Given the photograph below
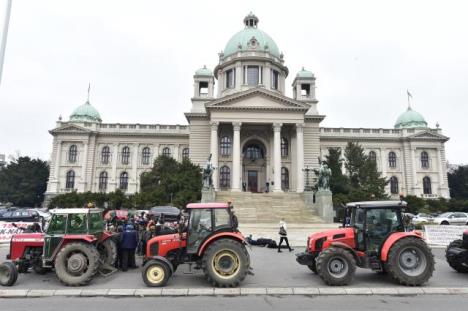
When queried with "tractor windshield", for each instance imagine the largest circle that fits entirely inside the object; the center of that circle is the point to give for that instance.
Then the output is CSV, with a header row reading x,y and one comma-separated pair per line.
x,y
96,223
200,227
57,224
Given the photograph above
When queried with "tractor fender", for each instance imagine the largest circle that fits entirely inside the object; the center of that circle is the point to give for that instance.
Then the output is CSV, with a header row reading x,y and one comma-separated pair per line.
x,y
356,254
230,235
104,236
163,259
394,237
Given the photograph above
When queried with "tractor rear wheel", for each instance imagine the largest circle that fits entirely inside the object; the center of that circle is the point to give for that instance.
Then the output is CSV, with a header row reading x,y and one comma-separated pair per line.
x,y
226,263
455,263
156,273
8,274
336,266
107,252
410,262
77,263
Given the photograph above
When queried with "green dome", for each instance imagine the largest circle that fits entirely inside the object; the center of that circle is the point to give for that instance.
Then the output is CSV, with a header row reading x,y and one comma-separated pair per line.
x,y
263,42
85,113
410,119
305,74
204,72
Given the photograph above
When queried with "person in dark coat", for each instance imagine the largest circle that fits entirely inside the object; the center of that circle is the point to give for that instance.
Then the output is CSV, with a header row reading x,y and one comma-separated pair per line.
x,y
117,237
129,243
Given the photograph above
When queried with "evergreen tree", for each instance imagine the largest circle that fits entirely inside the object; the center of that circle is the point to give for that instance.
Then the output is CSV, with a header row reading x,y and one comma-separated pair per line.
x,y
339,183
458,183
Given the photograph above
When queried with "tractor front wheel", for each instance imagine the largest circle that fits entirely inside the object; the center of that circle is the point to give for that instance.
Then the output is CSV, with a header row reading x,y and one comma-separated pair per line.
x,y
455,263
226,263
410,262
156,273
77,263
336,266
8,274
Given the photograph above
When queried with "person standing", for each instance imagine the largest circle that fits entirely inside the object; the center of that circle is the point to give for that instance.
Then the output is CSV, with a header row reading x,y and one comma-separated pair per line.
x,y
283,233
129,243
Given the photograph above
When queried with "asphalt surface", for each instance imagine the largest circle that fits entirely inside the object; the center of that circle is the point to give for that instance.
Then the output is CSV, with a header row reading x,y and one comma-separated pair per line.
x,y
257,303
271,269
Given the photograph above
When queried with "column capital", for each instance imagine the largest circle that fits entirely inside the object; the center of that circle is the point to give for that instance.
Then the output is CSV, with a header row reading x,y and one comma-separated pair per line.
x,y
236,126
300,127
214,125
277,127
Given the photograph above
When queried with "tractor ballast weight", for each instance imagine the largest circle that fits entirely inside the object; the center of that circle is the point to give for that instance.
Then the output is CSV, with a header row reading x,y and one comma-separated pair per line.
x,y
209,240
74,244
373,236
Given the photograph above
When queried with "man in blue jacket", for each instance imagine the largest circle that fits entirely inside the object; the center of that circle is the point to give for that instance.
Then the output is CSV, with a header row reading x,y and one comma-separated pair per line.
x,y
128,244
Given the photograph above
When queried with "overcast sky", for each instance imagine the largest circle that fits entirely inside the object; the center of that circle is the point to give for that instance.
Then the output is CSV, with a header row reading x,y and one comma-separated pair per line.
x,y
140,57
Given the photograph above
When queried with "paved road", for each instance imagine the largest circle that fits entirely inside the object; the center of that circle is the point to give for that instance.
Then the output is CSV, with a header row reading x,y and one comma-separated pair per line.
x,y
271,270
256,303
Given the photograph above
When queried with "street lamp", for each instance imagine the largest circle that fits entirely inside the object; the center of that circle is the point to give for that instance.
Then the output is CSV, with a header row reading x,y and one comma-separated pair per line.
x,y
307,185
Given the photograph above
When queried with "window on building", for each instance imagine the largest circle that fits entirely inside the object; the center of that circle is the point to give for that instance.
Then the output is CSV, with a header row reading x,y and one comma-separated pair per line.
x,y
166,152
424,159
125,155
394,185
274,79
103,181
284,178
253,152
203,89
72,153
284,147
105,155
305,90
392,159
225,146
70,180
372,156
225,177
123,182
253,75
185,153
145,156
427,187
230,79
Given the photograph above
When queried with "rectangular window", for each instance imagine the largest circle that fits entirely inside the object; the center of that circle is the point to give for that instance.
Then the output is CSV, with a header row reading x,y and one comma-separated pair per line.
x,y
203,89
230,79
274,79
253,76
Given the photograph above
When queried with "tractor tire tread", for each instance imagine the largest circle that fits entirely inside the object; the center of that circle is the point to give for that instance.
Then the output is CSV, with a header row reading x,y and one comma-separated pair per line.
x,y
454,263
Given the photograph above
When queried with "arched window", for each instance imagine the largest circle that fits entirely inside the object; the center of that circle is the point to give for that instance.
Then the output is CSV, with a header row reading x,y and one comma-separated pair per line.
x,y
427,187
394,185
185,153
105,155
103,181
225,146
284,147
392,159
424,159
145,156
125,155
166,152
224,177
123,184
70,180
253,152
284,178
72,153
372,156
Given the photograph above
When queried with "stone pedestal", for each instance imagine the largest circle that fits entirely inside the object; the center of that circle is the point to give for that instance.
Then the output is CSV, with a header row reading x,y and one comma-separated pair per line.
x,y
324,203
309,201
208,195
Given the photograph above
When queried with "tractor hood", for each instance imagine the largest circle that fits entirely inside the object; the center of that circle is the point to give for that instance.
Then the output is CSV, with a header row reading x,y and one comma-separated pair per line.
x,y
318,241
33,239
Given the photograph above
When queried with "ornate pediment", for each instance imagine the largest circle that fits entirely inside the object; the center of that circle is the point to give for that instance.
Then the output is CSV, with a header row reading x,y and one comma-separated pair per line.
x,y
429,135
70,129
257,99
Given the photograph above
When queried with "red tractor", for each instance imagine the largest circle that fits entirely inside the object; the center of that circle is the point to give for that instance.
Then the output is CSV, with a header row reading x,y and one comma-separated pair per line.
x,y
74,244
373,236
209,239
457,254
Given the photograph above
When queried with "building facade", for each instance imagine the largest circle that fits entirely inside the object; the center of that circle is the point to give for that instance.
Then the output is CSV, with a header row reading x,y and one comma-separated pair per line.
x,y
259,138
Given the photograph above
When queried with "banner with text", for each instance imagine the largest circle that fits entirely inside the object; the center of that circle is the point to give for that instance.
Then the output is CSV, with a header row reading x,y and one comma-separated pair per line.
x,y
7,230
443,235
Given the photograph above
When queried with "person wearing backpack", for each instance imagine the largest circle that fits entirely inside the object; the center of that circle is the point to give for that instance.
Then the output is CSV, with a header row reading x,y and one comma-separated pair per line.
x,y
283,235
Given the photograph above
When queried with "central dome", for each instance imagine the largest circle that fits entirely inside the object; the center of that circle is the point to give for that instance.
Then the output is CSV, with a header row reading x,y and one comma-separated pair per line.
x,y
410,119
85,113
251,39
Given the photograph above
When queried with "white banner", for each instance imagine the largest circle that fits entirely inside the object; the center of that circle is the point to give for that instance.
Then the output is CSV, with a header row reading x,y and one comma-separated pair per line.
x,y
7,230
443,235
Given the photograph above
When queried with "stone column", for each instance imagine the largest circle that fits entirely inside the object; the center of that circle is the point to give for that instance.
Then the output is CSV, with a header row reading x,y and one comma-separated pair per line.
x,y
440,165
135,166
176,152
114,177
413,167
236,165
58,159
214,153
383,161
277,156
300,156
83,166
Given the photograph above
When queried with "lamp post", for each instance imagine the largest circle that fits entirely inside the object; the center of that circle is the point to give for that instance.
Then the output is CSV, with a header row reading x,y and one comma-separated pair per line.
x,y
307,185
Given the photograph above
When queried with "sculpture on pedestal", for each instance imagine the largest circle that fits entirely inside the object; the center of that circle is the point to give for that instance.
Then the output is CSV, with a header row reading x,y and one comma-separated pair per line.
x,y
208,174
324,176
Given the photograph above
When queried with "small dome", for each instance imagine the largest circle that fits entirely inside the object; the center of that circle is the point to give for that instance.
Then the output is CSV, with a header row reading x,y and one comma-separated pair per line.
x,y
410,119
305,74
251,39
85,113
204,72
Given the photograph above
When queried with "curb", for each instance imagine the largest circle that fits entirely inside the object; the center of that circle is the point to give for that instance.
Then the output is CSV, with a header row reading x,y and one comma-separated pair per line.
x,y
235,292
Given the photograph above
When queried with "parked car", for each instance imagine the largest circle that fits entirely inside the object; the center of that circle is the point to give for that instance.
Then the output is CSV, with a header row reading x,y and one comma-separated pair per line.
x,y
422,218
26,215
451,218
